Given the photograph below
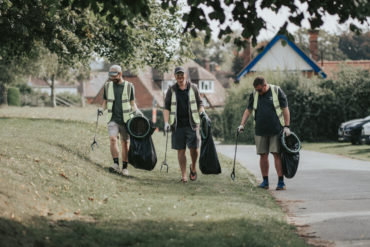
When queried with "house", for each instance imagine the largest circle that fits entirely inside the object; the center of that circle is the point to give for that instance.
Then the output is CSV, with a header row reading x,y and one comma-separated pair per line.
x,y
42,86
331,68
151,86
281,54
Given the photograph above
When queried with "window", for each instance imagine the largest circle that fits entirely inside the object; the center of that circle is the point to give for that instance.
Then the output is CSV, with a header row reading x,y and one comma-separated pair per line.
x,y
166,84
206,86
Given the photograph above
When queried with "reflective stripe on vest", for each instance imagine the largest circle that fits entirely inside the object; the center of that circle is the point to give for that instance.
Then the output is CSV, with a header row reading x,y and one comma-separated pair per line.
x,y
193,107
275,99
126,107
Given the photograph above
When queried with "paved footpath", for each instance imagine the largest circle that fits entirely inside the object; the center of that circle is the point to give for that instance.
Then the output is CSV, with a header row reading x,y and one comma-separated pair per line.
x,y
328,199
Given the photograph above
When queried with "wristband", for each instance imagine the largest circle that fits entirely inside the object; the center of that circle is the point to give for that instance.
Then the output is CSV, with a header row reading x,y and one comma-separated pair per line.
x,y
286,126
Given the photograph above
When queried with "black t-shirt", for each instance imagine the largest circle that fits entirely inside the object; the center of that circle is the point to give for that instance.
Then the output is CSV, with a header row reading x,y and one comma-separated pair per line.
x,y
117,112
182,98
267,122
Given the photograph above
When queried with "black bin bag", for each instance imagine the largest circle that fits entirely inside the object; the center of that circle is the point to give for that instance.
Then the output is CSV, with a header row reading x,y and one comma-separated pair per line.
x,y
208,159
291,145
141,154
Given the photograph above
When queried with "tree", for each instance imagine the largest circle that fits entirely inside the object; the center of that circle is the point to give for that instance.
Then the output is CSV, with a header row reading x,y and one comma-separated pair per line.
x,y
328,45
245,13
132,33
356,47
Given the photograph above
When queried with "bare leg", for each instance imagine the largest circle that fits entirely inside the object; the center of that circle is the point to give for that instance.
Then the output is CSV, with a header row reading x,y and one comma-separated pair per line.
x,y
278,165
194,157
114,146
181,156
125,148
264,164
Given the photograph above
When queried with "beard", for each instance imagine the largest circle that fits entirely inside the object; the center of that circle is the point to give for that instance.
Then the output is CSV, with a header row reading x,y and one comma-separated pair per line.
x,y
116,80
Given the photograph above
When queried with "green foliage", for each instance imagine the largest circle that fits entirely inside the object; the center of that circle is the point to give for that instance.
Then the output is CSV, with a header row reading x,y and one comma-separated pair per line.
x,y
317,106
245,13
217,123
73,98
14,96
238,63
328,45
356,47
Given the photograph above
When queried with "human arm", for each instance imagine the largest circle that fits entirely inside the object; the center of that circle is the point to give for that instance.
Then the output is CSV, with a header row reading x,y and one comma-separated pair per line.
x,y
286,115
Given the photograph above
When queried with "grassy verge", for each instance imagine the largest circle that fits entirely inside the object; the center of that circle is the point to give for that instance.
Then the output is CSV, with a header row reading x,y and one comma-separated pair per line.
x,y
55,191
361,152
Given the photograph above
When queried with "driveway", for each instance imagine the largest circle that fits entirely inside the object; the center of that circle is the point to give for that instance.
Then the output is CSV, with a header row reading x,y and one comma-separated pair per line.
x,y
328,199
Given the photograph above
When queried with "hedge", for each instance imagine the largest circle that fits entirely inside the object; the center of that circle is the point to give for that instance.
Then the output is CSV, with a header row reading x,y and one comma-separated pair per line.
x,y
317,106
14,96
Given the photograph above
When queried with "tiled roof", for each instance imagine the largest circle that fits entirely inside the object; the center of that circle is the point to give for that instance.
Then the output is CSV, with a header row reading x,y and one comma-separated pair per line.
x,y
96,82
215,99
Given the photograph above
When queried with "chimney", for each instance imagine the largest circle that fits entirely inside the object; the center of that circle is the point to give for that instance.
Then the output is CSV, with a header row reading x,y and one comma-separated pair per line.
x,y
207,65
313,44
247,53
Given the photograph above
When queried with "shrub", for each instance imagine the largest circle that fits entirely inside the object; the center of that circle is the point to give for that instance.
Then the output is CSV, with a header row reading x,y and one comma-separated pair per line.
x,y
317,106
14,96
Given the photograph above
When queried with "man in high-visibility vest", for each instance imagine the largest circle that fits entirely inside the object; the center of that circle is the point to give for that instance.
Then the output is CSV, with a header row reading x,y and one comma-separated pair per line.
x,y
269,106
183,108
119,100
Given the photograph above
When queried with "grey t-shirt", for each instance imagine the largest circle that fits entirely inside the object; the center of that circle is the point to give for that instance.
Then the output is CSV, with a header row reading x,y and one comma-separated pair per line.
x,y
267,122
117,112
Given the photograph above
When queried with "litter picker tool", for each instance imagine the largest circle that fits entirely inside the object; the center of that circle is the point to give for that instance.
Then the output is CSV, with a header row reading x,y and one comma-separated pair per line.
x,y
164,164
236,146
95,143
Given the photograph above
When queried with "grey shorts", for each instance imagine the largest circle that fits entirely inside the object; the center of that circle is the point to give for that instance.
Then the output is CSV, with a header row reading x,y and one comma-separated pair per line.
x,y
115,128
267,144
186,136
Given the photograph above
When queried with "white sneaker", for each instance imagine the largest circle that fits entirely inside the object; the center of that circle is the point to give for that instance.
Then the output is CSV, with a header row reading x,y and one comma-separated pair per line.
x,y
114,168
125,172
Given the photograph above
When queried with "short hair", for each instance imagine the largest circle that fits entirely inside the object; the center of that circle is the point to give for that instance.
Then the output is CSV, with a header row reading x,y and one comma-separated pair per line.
x,y
259,81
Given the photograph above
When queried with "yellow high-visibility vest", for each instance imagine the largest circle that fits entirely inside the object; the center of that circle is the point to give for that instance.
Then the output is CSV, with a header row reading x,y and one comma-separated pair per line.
x,y
126,107
275,100
193,106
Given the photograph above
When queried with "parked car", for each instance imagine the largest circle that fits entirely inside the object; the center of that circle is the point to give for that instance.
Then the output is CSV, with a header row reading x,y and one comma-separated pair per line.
x,y
341,136
352,131
365,134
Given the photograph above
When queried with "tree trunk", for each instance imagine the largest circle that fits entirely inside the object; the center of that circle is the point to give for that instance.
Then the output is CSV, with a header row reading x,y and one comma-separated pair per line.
x,y
82,93
4,94
52,94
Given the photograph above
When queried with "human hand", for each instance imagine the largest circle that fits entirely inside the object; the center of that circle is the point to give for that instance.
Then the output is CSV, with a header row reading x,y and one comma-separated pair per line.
x,y
286,131
204,115
138,112
240,128
166,127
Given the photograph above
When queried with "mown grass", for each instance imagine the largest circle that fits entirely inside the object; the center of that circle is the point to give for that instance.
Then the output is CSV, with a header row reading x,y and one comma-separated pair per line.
x,y
360,152
55,191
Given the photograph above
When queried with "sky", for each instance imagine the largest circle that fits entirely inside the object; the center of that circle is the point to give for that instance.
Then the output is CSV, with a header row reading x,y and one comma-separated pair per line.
x,y
275,21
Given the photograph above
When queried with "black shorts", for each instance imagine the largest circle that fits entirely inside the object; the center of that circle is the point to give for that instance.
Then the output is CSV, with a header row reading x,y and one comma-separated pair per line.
x,y
183,137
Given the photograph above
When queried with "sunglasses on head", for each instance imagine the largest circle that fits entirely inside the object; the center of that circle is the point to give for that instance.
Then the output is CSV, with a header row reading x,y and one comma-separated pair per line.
x,y
113,73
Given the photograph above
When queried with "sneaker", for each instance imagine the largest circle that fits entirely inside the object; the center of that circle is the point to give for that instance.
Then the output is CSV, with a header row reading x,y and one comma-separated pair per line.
x,y
264,185
125,172
281,186
114,168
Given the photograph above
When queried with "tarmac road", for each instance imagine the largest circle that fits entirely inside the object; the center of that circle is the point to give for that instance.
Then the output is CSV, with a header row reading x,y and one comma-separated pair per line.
x,y
328,199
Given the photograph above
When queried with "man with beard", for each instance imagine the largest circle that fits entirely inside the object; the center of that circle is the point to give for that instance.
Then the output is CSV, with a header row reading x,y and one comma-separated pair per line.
x,y
183,109
119,99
